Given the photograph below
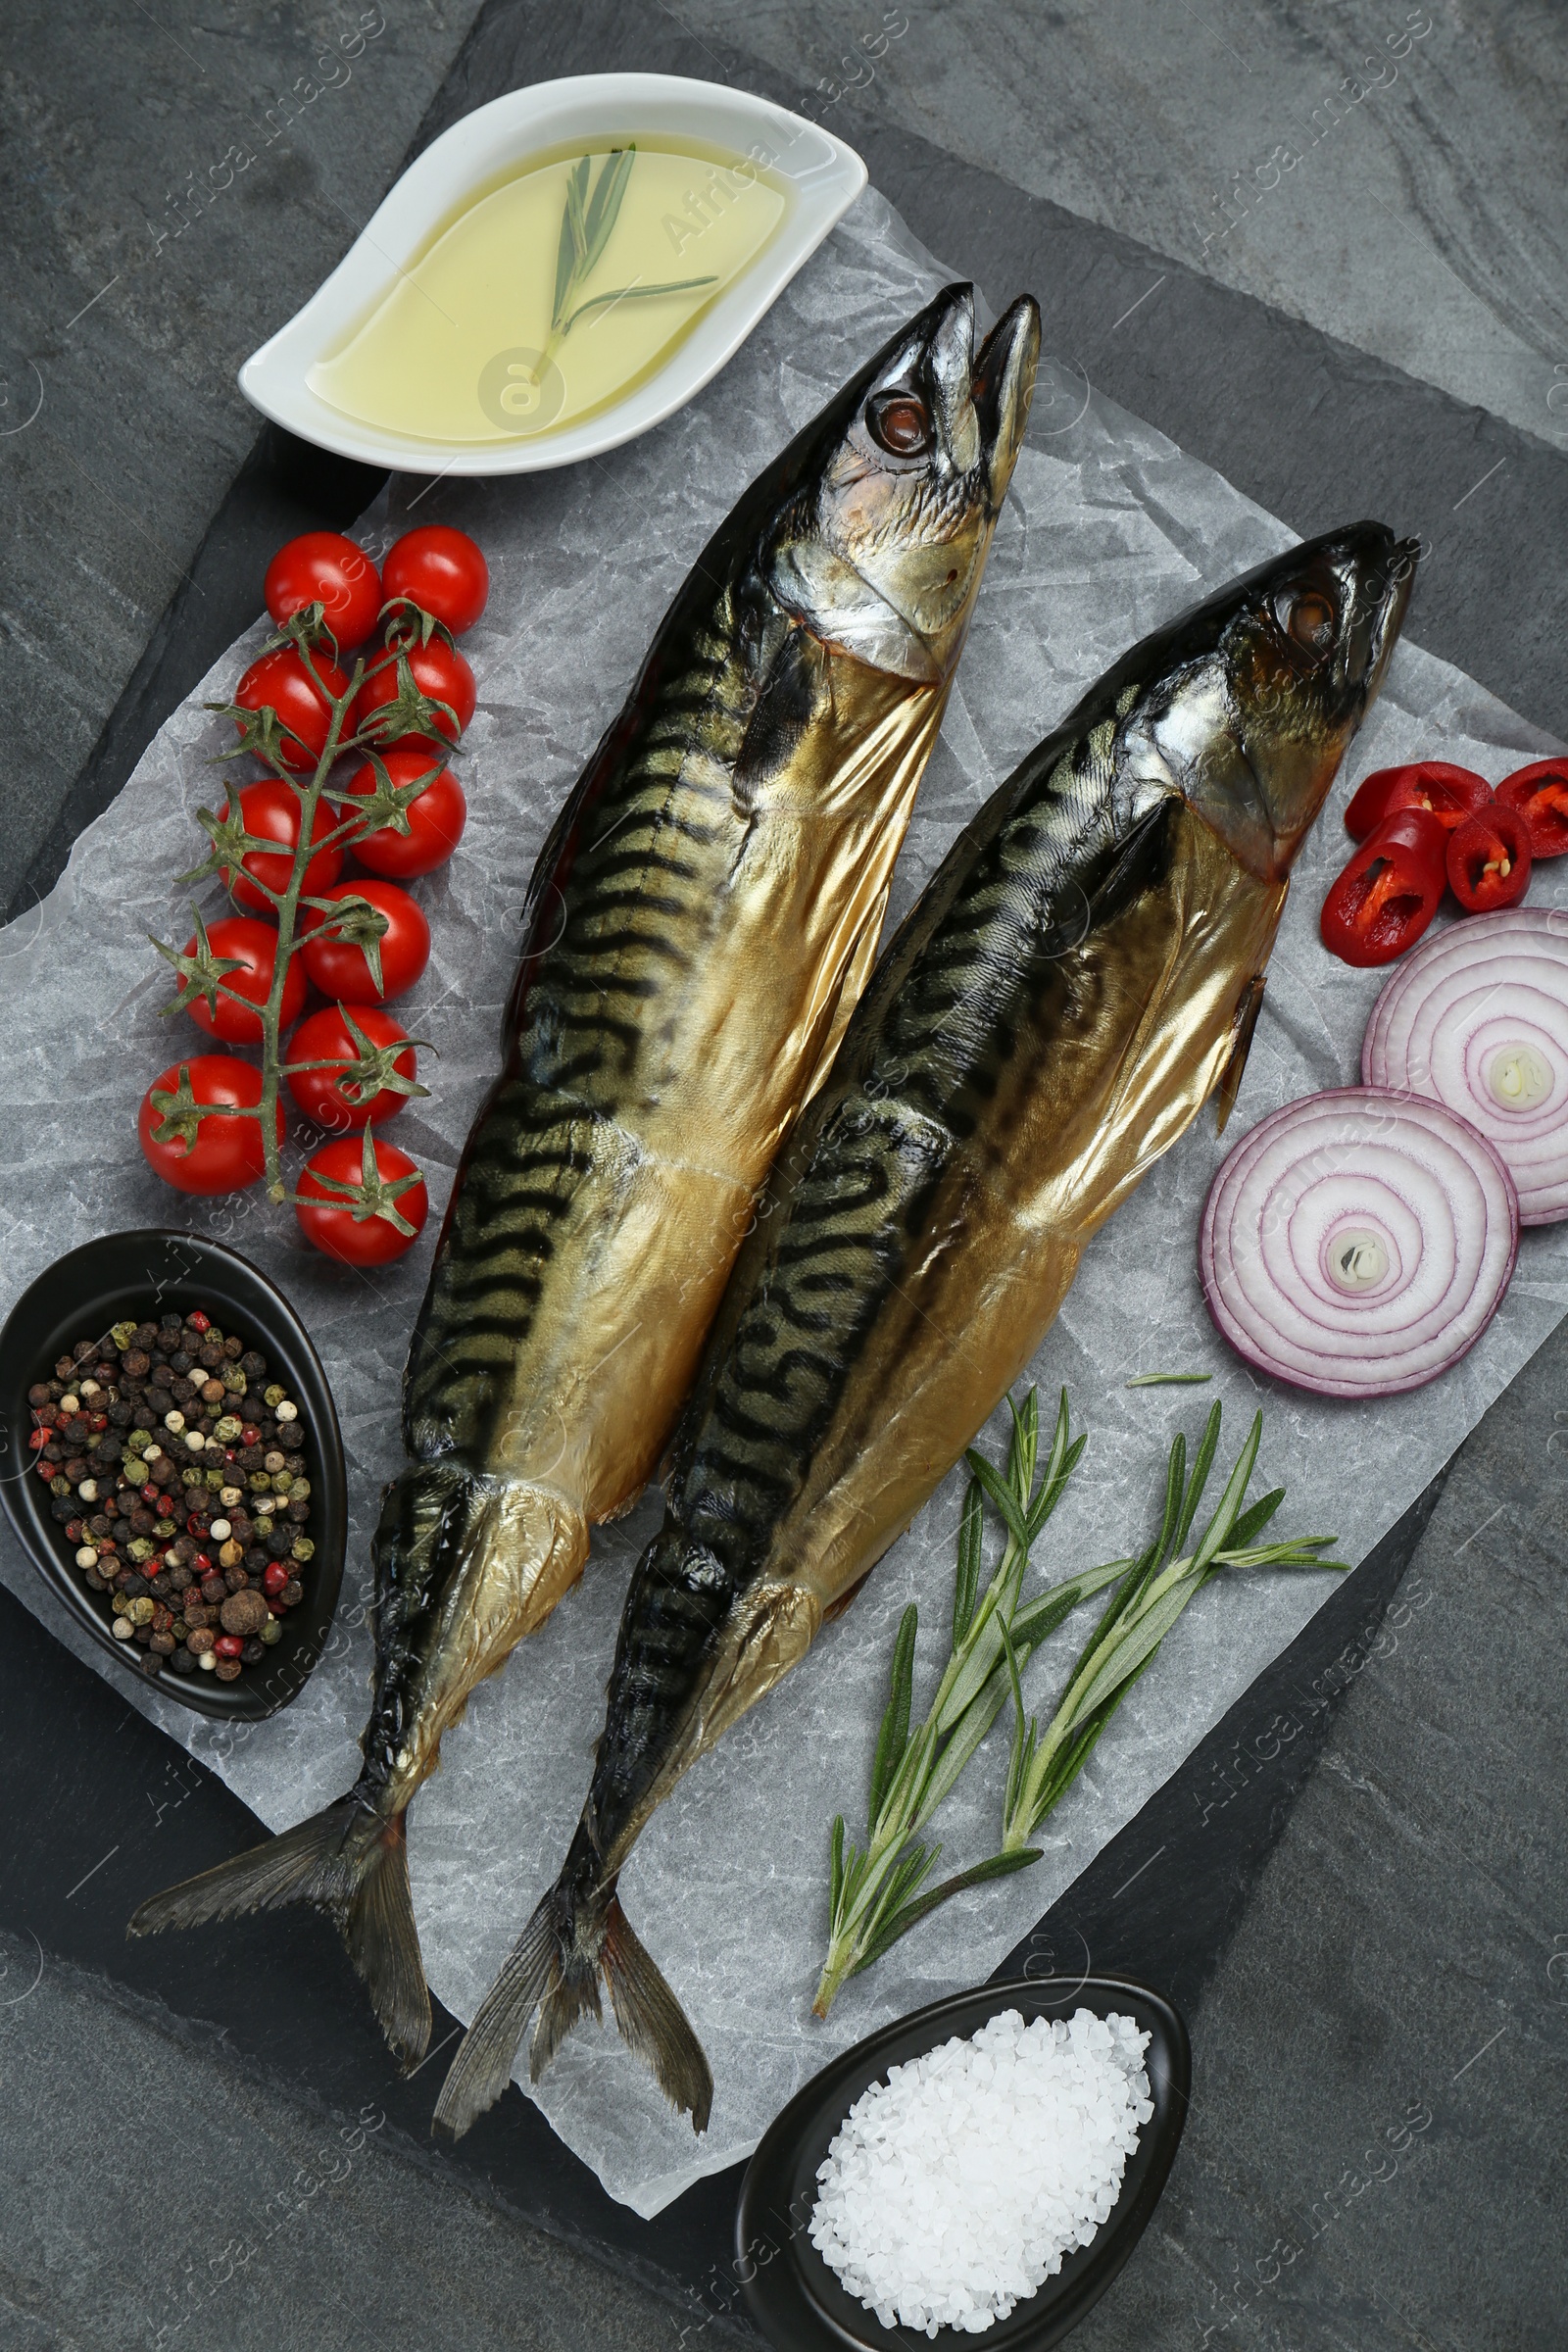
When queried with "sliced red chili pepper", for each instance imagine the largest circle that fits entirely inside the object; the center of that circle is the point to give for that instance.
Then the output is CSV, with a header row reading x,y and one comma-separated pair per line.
x,y
1451,793
1389,891
1489,859
1539,793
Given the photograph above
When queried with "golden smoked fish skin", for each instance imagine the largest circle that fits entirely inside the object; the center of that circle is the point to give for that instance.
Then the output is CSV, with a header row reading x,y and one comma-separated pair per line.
x,y
1062,1000
698,926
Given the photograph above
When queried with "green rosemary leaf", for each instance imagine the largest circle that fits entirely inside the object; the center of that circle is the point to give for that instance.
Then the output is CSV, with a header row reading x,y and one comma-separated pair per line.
x,y
1252,1520
1168,1380
604,205
1002,1495
995,1866
676,286
1199,1478
894,1735
967,1583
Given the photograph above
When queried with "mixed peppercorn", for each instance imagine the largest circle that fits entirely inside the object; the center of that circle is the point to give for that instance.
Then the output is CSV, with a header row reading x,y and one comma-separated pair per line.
x,y
177,1472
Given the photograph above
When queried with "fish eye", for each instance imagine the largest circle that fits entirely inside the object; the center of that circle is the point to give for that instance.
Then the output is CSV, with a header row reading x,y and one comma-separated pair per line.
x,y
1307,616
900,423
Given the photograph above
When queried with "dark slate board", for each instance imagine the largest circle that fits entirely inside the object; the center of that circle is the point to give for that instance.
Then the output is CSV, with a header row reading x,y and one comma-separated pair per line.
x,y
1314,432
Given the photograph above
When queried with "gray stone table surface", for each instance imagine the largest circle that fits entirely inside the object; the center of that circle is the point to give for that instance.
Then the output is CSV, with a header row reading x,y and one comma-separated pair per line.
x,y
1374,2157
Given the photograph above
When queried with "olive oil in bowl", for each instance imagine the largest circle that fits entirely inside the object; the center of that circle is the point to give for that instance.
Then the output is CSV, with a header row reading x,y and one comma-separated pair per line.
x,y
548,294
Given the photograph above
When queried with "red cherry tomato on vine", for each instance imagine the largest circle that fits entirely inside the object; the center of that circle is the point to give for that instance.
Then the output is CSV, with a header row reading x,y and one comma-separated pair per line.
x,y
339,966
327,1217
1489,859
1539,793
326,1036
272,811
442,571
225,1153
436,819
253,946
1389,891
279,681
323,567
440,671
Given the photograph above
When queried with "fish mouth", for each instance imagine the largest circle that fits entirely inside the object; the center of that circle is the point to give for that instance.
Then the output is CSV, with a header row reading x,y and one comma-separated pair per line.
x,y
1004,388
1389,620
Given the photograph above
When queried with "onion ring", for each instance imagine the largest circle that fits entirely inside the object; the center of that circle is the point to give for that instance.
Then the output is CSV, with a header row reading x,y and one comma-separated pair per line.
x,y
1478,1019
1358,1243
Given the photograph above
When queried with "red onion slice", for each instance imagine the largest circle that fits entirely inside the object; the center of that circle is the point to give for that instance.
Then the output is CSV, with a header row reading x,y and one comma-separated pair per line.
x,y
1477,1018
1358,1243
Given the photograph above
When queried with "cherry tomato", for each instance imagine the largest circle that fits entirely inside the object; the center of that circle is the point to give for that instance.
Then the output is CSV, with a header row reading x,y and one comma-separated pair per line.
x,y
323,567
1389,891
226,1154
442,571
1539,793
339,968
436,819
356,1229
1451,793
326,1036
440,671
1489,859
279,681
253,946
271,811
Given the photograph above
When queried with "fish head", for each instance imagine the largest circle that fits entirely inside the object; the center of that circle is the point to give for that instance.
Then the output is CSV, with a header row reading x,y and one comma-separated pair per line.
x,y
1254,724
900,482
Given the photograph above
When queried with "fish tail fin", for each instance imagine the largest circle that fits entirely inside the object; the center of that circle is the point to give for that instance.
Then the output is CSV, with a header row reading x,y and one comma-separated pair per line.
x,y
577,1935
349,1861
653,2023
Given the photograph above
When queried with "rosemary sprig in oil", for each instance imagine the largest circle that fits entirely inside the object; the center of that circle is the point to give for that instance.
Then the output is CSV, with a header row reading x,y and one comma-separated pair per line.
x,y
592,209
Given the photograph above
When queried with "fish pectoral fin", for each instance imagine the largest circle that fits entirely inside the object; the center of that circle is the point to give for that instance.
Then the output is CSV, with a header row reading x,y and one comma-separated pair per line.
x,y
774,1633
527,1547
1248,1007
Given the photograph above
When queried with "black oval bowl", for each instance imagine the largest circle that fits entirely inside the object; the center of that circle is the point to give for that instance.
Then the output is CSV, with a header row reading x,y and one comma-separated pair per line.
x,y
84,1294
798,2303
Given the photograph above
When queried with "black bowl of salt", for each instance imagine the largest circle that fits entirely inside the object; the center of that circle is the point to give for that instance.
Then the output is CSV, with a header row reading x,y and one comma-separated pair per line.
x,y
802,2304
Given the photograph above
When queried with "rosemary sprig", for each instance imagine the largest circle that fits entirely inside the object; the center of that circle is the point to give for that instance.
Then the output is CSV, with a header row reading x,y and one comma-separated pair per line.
x,y
875,1892
591,211
1153,1591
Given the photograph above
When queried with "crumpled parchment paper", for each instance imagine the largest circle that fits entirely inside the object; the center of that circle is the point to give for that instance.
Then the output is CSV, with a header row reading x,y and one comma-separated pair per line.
x,y
1108,531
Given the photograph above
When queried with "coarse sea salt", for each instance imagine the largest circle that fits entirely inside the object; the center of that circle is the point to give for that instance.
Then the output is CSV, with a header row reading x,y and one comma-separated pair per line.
x,y
955,2189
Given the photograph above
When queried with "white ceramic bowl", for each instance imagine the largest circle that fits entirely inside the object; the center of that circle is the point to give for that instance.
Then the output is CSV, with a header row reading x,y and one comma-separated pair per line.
x,y
826,178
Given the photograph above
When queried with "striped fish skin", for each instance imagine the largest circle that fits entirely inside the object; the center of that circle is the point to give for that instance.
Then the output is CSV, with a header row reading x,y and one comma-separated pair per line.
x,y
1047,1021
700,923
